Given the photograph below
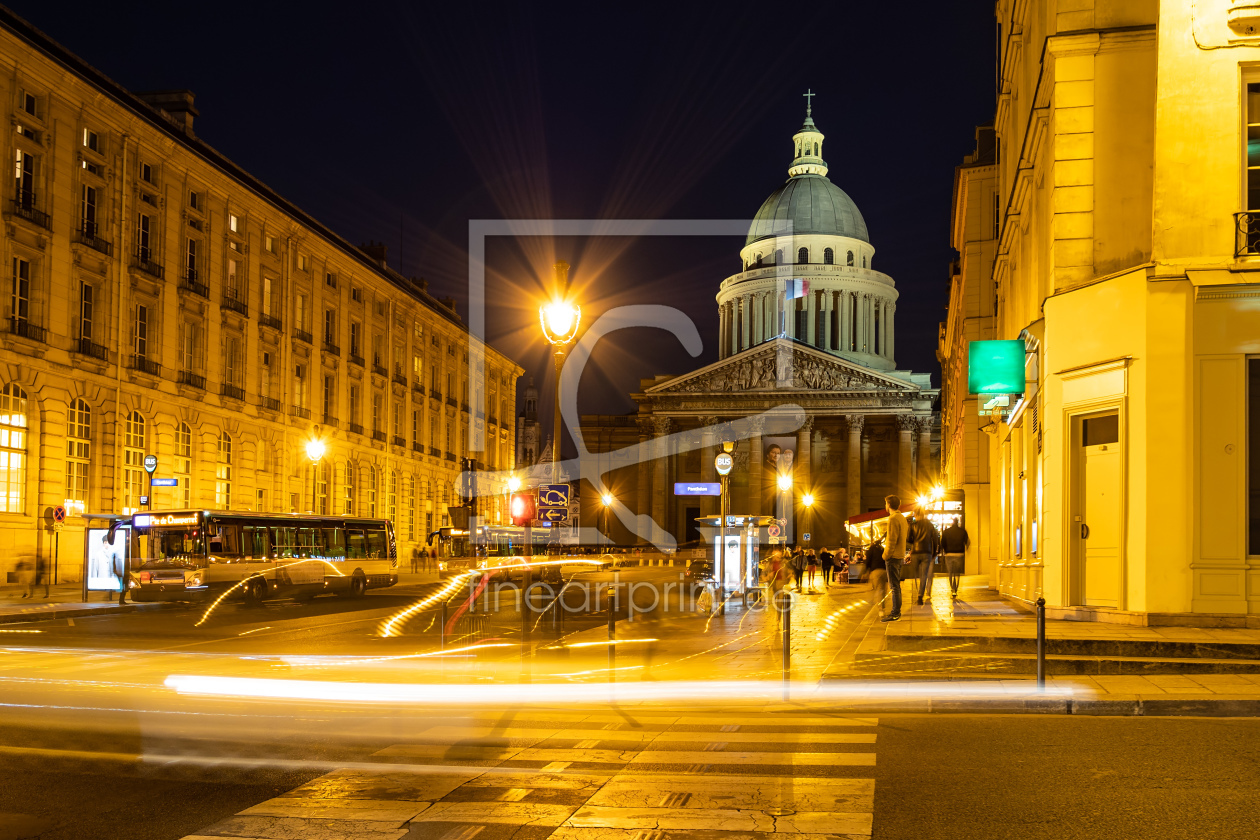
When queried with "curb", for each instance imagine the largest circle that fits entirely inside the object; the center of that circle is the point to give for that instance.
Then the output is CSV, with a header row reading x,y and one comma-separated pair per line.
x,y
1124,706
54,612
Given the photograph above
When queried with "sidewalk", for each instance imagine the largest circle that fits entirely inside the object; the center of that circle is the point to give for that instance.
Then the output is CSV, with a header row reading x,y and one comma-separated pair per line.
x,y
65,600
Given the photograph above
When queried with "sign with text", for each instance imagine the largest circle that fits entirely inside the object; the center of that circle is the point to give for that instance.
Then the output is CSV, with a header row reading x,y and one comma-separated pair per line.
x,y
166,482
694,489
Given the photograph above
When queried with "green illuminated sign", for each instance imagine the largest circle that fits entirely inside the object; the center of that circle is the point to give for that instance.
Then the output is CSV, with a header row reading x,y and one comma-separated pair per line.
x,y
995,367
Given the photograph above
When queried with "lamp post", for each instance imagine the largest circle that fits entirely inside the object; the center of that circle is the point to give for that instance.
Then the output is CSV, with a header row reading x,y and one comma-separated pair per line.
x,y
785,506
315,451
723,463
607,499
808,502
559,319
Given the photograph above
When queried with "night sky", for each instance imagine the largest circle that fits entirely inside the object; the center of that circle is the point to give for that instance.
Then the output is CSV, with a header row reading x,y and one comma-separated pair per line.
x,y
400,122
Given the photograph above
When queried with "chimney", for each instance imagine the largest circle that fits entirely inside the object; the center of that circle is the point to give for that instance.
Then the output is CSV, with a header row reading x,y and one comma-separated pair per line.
x,y
449,303
375,250
175,105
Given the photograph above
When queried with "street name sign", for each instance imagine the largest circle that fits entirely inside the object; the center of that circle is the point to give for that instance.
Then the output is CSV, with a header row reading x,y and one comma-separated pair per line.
x,y
682,488
165,482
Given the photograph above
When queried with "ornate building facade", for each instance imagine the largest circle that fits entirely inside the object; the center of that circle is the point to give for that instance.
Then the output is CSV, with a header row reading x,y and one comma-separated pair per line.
x,y
807,322
162,301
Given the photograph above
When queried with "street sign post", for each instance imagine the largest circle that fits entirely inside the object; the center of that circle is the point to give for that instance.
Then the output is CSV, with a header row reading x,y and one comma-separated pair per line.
x,y
150,463
723,462
553,503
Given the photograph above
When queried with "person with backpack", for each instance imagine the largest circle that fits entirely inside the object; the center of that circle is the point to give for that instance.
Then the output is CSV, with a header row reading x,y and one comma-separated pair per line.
x,y
925,544
954,544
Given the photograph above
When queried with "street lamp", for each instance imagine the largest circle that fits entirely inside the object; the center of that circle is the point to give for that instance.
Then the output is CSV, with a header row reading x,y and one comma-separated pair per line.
x,y
315,449
559,319
607,499
808,502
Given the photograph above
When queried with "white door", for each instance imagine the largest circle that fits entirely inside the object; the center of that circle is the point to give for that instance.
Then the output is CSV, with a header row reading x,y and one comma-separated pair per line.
x,y
1099,529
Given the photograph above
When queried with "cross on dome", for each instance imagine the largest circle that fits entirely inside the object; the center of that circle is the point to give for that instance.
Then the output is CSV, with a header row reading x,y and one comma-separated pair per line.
x,y
809,101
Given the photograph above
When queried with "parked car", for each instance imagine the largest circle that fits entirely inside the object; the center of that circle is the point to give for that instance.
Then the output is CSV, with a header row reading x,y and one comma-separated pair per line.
x,y
701,569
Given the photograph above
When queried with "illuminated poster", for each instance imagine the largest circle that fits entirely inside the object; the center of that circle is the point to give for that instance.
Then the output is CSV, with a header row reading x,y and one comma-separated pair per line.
x,y
103,559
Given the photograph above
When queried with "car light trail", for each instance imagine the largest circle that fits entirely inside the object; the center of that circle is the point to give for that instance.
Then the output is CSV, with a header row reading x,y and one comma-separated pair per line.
x,y
244,580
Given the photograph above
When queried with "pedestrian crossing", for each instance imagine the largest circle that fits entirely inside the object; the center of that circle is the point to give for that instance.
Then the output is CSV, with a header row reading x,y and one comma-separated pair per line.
x,y
749,775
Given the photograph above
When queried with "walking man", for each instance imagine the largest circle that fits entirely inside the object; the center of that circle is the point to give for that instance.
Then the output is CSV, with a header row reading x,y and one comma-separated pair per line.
x,y
415,559
925,544
954,543
894,553
828,561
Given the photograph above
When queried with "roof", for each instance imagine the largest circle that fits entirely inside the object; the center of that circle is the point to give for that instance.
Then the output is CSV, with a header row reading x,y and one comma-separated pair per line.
x,y
808,204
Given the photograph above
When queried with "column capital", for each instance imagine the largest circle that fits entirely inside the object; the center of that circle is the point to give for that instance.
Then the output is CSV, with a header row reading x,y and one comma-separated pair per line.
x,y
856,422
660,426
924,423
709,422
907,422
808,425
758,425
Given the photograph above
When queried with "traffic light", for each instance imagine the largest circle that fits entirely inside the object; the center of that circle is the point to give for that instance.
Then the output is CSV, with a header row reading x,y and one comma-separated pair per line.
x,y
522,508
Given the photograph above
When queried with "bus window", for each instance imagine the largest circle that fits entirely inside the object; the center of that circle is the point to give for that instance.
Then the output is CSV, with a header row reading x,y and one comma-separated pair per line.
x,y
224,542
376,545
356,545
306,542
284,542
333,543
255,545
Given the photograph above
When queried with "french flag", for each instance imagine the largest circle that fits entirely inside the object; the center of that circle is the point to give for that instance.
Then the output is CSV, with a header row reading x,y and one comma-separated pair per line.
x,y
794,288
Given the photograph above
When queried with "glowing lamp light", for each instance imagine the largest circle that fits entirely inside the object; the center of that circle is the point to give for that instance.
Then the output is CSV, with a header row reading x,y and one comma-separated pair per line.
x,y
785,482
514,484
607,499
938,492
808,500
559,321
923,501
315,449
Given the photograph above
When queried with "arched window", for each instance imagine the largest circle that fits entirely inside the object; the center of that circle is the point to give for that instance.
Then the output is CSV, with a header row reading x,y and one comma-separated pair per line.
x,y
13,426
78,455
183,465
850,258
864,261
802,256
133,462
223,474
778,257
371,492
829,256
815,150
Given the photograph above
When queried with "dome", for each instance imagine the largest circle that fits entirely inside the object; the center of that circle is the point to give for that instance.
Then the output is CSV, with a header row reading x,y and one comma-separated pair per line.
x,y
813,205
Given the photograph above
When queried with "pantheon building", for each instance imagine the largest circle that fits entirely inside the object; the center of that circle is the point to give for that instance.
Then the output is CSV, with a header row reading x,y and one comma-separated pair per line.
x,y
809,322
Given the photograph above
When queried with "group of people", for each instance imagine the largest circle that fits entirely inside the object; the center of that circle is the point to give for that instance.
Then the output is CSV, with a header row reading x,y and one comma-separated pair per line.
x,y
805,565
909,549
423,560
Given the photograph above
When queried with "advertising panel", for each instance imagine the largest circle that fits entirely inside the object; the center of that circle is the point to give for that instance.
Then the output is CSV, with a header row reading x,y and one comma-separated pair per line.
x,y
103,559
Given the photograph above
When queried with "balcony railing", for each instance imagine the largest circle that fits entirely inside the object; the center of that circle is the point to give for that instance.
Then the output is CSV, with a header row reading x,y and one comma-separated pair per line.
x,y
144,365
143,260
356,360
332,349
329,420
451,402
399,440
435,452
464,407
235,305
270,404
232,391
96,351
189,283
24,206
24,328
400,379
417,387
450,456
380,370
379,435
435,394
303,335
86,235
298,411
494,421
356,429
195,380
271,321
418,447
1247,241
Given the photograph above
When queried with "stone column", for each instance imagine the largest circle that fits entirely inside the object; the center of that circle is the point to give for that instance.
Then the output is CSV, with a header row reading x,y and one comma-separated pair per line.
x,y
708,474
644,507
660,474
745,304
892,309
811,315
824,335
906,424
924,477
755,479
853,481
842,327
801,466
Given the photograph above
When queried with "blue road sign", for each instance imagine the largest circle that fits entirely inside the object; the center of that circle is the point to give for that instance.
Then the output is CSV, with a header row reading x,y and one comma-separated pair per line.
x,y
165,482
553,514
553,495
682,488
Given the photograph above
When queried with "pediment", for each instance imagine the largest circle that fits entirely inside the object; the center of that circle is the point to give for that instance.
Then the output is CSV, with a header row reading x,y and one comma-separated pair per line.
x,y
782,365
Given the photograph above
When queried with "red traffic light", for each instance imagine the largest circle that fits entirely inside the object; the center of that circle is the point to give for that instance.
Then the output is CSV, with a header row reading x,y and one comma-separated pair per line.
x,y
522,508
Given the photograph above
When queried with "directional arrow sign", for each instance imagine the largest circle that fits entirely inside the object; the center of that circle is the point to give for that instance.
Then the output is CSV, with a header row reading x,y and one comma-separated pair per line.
x,y
553,514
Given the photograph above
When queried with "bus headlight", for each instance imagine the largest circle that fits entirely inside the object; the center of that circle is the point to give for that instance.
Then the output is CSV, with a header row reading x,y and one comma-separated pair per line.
x,y
195,580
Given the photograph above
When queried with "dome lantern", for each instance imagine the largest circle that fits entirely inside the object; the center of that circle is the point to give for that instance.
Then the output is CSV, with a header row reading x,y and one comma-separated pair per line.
x,y
808,145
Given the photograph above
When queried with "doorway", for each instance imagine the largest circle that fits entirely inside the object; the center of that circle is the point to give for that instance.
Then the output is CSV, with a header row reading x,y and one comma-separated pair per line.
x,y
1096,518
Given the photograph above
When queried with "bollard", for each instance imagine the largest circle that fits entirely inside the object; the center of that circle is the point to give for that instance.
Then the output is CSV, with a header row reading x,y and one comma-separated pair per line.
x,y
1041,643
442,626
557,611
612,637
527,580
787,641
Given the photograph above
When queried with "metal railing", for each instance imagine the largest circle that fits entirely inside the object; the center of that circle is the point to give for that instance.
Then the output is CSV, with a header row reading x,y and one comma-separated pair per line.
x,y
417,447
464,407
270,404
494,421
356,359
232,391
24,328
271,321
399,379
451,402
86,235
329,420
195,380
332,349
435,394
189,282
380,370
143,260
356,428
25,208
1247,234
401,441
417,387
379,435
298,411
235,305
450,456
435,452
144,365
303,335
96,351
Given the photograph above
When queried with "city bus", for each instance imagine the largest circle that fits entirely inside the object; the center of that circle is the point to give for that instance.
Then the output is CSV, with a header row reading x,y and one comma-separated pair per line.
x,y
194,555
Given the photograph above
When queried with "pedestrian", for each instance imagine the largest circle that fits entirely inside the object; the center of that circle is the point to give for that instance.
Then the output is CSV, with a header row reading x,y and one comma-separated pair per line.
x,y
925,544
120,572
811,566
798,567
878,575
26,575
41,574
415,559
774,579
894,552
954,543
827,560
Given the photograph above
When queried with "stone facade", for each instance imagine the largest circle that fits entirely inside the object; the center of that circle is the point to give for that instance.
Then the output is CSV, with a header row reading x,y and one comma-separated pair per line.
x,y
162,301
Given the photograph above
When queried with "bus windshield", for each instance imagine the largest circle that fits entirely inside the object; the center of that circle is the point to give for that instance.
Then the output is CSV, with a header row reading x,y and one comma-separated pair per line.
x,y
167,546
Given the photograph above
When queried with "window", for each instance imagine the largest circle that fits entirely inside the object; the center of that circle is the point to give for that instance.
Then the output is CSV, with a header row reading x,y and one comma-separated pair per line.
x,y
415,426
391,498
233,281
320,502
268,286
829,256
330,279
20,298
376,413
356,295
234,225
87,211
347,499
265,384
146,173
144,230
299,386
371,492
194,201
13,426
354,340
849,258
802,255
354,403
133,462
330,395
269,244
864,261
417,368
191,260
300,313
223,474
398,418
183,465
330,327
233,361
190,347
85,311
302,262
91,140
78,455
260,500
30,104
24,173
411,509
140,333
